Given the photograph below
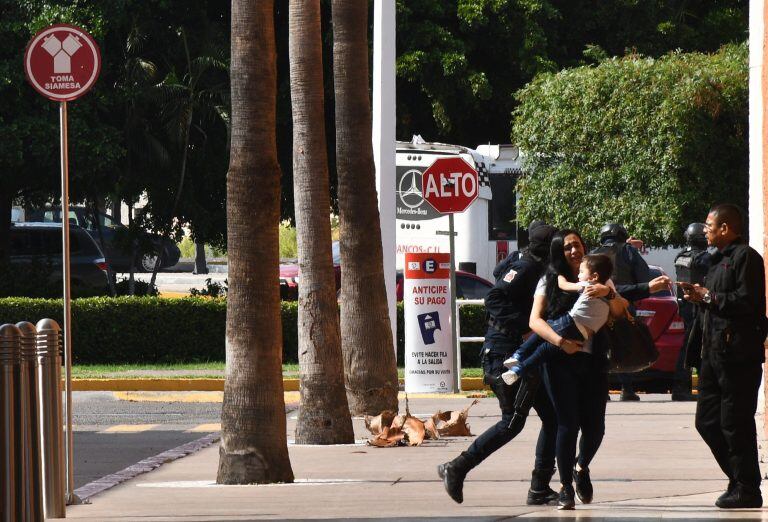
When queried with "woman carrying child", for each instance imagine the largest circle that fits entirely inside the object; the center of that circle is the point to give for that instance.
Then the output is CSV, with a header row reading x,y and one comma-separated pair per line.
x,y
576,373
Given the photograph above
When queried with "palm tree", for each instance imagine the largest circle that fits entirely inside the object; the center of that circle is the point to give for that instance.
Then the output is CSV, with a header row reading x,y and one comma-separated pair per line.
x,y
253,447
370,366
324,412
196,91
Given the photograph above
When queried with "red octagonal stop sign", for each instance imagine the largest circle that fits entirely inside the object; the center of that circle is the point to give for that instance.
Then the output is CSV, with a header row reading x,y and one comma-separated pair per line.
x,y
62,62
450,185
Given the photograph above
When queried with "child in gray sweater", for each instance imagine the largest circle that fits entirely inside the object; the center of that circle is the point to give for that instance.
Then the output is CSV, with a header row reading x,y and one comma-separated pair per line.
x,y
580,323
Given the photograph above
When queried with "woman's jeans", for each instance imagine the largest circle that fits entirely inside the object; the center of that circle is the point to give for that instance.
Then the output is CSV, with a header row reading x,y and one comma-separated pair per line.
x,y
578,386
515,402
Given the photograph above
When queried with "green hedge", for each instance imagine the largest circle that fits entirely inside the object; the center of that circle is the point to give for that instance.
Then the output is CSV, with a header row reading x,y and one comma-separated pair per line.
x,y
650,143
145,330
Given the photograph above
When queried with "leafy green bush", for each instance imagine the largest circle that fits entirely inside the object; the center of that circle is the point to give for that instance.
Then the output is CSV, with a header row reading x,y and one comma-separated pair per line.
x,y
150,330
140,288
287,238
651,143
212,289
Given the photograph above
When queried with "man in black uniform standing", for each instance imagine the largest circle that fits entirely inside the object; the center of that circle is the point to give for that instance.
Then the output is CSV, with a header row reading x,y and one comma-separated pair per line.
x,y
508,306
732,326
629,268
691,266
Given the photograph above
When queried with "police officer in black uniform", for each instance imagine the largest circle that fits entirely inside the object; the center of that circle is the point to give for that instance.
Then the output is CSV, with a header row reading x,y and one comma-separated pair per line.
x,y
629,268
691,266
508,306
729,332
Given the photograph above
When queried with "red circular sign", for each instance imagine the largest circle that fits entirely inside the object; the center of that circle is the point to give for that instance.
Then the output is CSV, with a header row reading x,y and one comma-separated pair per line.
x,y
62,62
450,185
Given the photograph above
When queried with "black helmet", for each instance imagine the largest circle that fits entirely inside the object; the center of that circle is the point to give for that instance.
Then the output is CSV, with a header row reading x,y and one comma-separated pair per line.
x,y
536,223
694,235
614,231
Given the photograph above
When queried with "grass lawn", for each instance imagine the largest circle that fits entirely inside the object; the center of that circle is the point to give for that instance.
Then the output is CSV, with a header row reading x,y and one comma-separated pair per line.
x,y
209,370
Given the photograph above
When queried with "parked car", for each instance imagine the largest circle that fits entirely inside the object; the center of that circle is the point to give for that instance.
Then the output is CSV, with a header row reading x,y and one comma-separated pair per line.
x,y
37,248
116,246
468,285
289,275
660,313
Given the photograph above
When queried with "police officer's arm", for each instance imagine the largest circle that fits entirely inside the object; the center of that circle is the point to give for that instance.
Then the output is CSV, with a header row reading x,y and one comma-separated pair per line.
x,y
504,264
747,298
518,280
634,292
643,290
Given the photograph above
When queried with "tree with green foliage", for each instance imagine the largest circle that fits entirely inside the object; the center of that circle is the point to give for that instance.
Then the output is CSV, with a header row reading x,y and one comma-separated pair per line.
x,y
460,62
29,133
650,143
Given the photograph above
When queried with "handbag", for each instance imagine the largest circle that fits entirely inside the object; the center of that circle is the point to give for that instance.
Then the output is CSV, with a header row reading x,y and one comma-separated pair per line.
x,y
630,346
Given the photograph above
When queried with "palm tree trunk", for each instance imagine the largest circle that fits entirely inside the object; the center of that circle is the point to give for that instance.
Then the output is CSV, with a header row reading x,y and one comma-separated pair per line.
x,y
323,412
369,359
254,447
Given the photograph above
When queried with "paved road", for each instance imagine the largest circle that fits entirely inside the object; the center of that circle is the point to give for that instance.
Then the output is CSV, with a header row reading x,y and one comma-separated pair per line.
x,y
179,282
112,434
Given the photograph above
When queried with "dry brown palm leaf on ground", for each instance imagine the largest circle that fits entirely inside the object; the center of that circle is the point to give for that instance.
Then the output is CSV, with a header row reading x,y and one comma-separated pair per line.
x,y
388,438
414,431
432,433
390,429
453,423
383,420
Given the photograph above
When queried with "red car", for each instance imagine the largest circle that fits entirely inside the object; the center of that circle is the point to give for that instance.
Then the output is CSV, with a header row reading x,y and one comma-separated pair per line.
x,y
469,286
289,275
660,313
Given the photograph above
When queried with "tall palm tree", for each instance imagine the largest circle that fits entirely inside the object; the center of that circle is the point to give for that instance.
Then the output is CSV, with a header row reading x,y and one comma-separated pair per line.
x,y
323,412
193,90
253,447
370,366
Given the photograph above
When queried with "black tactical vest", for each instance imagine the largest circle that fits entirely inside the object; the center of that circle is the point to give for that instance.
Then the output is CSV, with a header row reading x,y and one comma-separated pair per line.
x,y
622,270
685,270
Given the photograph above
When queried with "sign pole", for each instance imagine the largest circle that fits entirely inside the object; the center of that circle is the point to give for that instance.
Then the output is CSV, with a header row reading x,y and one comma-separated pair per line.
x,y
68,441
454,326
62,62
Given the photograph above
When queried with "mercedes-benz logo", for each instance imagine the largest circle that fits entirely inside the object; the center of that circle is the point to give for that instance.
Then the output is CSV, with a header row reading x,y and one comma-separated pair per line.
x,y
409,189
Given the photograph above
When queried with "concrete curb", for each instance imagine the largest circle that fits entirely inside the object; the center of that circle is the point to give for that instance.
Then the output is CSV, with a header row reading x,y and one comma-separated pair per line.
x,y
467,384
181,385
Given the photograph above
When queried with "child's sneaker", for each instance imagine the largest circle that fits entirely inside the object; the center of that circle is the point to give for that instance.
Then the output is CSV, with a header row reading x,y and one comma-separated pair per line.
x,y
512,361
511,376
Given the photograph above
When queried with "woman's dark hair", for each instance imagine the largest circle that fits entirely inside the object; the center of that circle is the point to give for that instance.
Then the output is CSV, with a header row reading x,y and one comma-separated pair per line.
x,y
558,302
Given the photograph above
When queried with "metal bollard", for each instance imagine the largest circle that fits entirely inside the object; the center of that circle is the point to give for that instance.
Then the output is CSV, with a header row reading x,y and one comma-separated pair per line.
x,y
10,348
28,443
51,423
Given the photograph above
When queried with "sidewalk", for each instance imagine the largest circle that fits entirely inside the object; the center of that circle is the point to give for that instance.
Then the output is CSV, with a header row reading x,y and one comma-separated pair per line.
x,y
652,465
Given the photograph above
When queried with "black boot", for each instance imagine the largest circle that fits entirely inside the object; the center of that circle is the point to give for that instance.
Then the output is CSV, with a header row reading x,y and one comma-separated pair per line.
x,y
731,485
583,485
540,493
453,474
741,498
566,500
